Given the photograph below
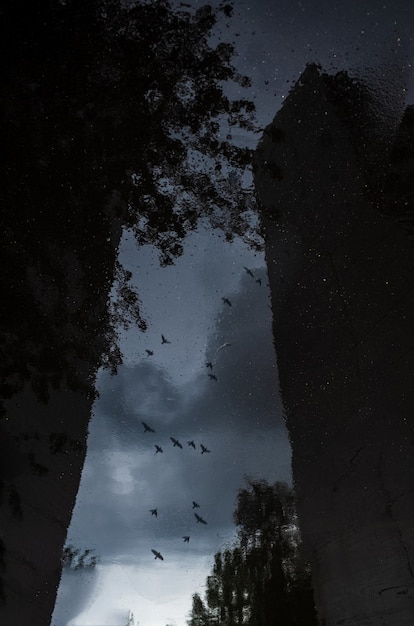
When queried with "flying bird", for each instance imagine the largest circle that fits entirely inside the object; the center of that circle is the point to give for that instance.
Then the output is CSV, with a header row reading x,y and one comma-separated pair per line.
x,y
158,449
195,505
186,538
149,352
192,444
224,345
209,364
212,377
200,519
226,301
164,340
249,272
259,280
204,449
176,442
147,429
154,512
158,555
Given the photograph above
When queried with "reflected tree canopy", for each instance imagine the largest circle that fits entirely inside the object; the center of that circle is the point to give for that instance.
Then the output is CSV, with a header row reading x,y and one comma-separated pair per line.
x,y
115,117
264,579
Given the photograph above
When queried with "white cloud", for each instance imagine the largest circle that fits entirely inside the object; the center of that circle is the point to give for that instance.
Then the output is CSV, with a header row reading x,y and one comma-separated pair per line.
x,y
157,592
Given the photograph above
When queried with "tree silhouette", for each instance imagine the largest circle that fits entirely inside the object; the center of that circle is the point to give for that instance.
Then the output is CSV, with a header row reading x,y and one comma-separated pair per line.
x,y
270,539
263,579
114,117
199,613
74,559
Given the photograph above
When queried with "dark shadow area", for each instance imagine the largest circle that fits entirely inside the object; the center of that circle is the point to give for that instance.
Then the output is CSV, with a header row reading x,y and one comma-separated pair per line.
x,y
338,230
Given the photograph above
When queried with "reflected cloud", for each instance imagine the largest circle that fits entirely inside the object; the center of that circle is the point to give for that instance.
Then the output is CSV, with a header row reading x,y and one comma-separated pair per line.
x,y
226,428
155,590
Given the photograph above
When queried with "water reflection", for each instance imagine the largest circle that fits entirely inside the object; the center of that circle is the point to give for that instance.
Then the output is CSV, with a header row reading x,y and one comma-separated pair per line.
x,y
101,146
133,500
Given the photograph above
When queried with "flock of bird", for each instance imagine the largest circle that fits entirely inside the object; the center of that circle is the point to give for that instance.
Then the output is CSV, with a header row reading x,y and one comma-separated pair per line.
x,y
176,443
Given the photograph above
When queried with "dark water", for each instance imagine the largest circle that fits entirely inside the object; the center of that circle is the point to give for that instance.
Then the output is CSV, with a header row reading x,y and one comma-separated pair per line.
x,y
135,291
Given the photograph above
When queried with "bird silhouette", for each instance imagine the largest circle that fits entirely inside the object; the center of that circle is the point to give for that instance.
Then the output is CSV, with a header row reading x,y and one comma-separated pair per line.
x,y
200,519
192,444
226,301
186,538
259,280
176,442
209,364
158,449
164,340
195,505
154,512
249,272
212,377
149,352
158,555
224,345
204,449
147,429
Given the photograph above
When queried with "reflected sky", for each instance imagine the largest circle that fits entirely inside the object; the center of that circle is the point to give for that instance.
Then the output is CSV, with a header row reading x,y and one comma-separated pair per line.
x,y
238,417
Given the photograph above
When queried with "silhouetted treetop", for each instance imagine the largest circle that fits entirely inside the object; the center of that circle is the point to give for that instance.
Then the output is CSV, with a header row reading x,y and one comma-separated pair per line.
x,y
263,579
131,99
262,508
113,117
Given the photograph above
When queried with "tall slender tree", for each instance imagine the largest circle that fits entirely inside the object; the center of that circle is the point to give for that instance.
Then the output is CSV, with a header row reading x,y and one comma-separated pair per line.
x,y
263,579
199,613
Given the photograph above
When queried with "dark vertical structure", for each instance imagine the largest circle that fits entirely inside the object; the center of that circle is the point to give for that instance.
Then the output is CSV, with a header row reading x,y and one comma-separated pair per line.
x,y
337,205
59,236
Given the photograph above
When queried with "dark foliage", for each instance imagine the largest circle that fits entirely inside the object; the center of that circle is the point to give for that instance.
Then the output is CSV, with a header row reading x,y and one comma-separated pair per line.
x,y
263,579
75,559
112,118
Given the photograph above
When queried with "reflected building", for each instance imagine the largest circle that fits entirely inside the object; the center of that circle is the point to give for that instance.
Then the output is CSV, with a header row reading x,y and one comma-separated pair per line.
x,y
334,177
52,348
